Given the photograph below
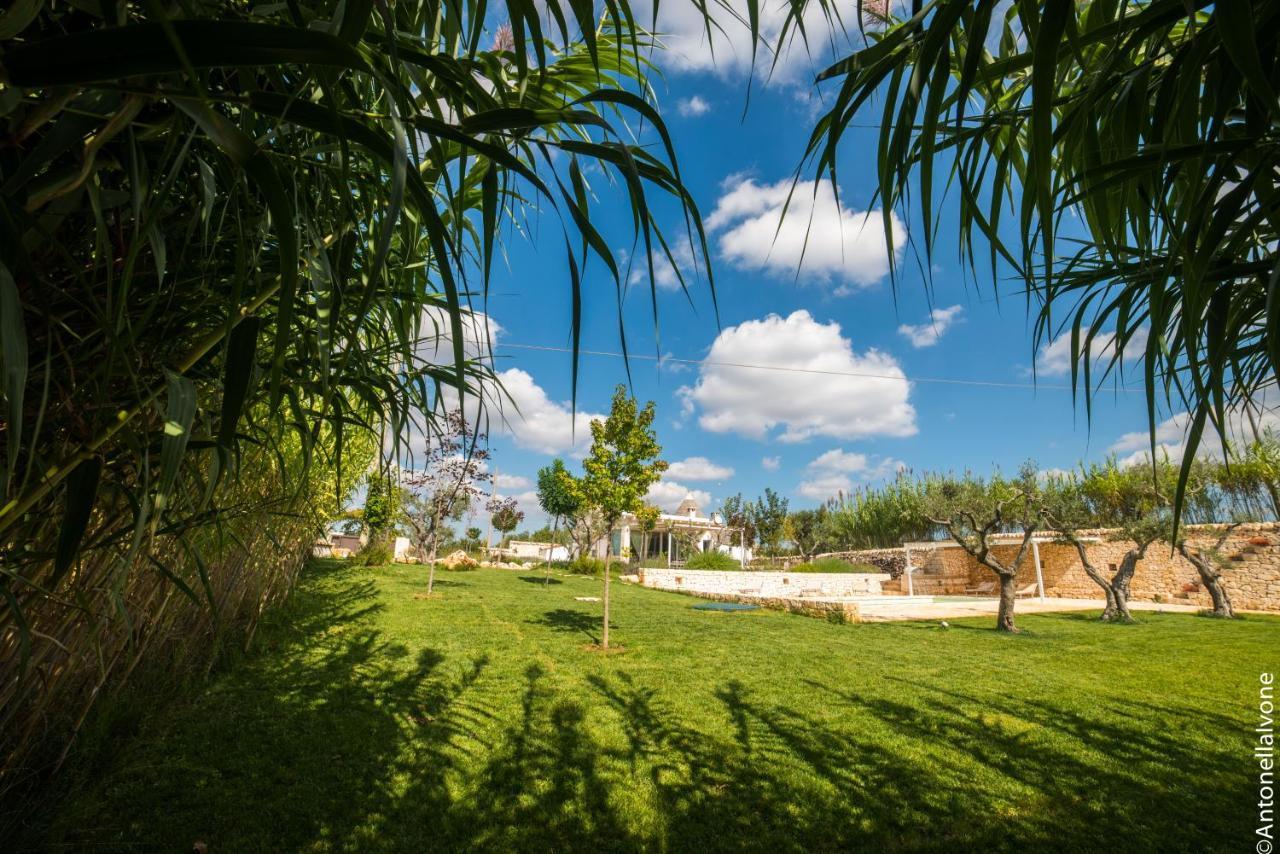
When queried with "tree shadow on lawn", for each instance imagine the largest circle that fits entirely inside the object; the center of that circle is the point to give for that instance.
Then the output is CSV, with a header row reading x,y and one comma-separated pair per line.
x,y
298,746
540,579
570,620
350,740
1148,787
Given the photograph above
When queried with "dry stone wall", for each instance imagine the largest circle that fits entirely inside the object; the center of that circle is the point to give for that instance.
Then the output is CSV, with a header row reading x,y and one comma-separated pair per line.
x,y
1251,570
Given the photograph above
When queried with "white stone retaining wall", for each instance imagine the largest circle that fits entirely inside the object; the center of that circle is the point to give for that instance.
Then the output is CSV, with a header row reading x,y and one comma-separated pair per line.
x,y
765,584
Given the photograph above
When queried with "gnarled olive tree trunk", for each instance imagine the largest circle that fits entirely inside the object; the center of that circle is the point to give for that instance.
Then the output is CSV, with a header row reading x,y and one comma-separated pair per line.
x,y
978,546
1206,562
1116,589
1008,597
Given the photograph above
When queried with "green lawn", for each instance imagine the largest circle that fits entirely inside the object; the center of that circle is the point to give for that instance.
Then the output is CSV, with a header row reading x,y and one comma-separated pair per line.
x,y
370,719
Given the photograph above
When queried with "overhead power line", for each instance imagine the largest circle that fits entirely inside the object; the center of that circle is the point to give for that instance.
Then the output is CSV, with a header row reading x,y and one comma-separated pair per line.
x,y
791,369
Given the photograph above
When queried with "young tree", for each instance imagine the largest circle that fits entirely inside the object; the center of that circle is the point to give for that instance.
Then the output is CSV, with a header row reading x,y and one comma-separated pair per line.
x,y
454,474
769,515
473,537
972,511
559,497
807,530
622,465
504,515
738,513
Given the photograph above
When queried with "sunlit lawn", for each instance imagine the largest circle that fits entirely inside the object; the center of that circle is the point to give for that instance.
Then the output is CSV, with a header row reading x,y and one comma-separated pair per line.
x,y
370,719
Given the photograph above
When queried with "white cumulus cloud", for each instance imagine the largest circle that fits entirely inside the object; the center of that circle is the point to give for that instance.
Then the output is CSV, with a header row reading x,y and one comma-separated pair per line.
x,y
819,237
726,50
698,468
667,495
535,421
691,107
511,481
837,470
931,331
1054,358
805,381
771,463
1171,435
665,276
435,336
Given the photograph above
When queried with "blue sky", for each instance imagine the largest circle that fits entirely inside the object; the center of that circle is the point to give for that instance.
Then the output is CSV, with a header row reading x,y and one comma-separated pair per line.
x,y
734,430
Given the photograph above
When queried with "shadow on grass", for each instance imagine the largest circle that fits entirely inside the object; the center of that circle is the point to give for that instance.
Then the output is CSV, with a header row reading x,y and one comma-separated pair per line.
x,y
343,738
569,620
539,579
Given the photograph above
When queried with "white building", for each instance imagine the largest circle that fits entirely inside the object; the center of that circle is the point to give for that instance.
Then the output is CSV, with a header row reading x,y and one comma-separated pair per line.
x,y
674,535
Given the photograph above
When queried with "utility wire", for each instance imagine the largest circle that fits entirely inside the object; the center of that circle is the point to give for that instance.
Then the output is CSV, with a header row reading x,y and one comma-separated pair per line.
x,y
794,370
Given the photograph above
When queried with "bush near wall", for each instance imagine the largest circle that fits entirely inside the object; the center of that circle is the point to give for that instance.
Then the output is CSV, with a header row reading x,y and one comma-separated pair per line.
x,y
892,561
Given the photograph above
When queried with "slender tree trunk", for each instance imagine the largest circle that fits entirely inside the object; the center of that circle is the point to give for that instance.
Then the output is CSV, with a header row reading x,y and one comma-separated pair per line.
x,y
435,544
1008,596
604,633
555,529
1211,578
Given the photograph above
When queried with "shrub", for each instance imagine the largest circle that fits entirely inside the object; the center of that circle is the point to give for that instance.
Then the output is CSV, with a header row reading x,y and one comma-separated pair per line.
x,y
712,560
376,552
585,565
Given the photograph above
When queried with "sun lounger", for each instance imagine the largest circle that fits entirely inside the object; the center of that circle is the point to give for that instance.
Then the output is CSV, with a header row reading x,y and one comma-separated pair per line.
x,y
1029,590
982,589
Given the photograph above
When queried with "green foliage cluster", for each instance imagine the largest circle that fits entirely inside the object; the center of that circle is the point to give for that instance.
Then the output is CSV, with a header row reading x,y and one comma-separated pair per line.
x,y
712,560
623,461
585,565
833,564
1144,130
881,517
226,230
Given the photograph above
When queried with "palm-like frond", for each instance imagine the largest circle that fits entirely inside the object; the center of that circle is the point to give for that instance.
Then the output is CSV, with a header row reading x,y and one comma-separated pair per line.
x,y
227,236
1120,157
265,204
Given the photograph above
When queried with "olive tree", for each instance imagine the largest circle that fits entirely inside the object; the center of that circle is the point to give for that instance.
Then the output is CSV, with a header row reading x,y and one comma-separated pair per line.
x,y
808,531
973,511
769,516
1108,495
621,466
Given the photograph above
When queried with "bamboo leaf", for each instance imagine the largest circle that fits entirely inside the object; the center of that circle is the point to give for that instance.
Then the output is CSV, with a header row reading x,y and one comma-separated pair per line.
x,y
13,351
81,496
139,49
241,362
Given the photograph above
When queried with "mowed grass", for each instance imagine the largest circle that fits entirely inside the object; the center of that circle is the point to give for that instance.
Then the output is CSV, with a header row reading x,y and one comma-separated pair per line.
x,y
371,719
